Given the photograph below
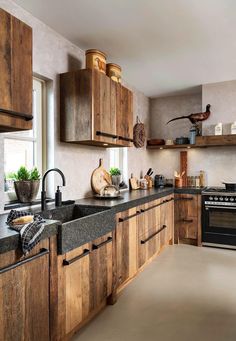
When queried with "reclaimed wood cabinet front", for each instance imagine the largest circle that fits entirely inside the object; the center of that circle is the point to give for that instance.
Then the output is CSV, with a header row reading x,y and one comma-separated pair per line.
x,y
24,295
16,74
85,282
188,218
126,245
95,110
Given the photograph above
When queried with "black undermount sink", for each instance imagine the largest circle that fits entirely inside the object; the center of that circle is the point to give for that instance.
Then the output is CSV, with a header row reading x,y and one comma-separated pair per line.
x,y
69,213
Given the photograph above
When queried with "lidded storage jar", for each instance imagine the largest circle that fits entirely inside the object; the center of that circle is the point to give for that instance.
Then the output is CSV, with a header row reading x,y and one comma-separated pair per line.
x,y
114,72
96,59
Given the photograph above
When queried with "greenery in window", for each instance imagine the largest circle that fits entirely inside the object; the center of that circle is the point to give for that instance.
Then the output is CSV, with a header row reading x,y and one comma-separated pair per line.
x,y
23,174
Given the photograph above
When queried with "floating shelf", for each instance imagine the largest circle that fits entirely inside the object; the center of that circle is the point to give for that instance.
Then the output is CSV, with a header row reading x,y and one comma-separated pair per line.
x,y
201,142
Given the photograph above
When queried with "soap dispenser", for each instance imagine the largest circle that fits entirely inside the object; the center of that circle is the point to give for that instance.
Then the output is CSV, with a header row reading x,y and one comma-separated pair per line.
x,y
58,197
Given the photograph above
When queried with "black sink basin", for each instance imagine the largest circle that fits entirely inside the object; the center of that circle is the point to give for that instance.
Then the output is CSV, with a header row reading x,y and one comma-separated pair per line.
x,y
70,212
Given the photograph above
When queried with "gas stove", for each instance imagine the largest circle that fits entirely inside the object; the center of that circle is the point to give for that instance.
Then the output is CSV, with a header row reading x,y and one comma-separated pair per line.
x,y
219,196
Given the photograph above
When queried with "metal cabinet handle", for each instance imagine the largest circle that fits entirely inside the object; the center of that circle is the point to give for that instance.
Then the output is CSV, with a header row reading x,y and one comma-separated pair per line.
x,y
70,261
16,114
101,133
129,217
41,253
153,235
187,220
184,198
95,247
125,139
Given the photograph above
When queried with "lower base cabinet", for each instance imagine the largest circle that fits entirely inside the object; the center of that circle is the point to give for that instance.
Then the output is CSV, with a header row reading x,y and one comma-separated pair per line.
x,y
141,232
24,295
84,284
188,219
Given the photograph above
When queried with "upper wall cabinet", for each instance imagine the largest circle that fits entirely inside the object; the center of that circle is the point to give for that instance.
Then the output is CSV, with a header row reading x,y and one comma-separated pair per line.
x,y
95,110
16,74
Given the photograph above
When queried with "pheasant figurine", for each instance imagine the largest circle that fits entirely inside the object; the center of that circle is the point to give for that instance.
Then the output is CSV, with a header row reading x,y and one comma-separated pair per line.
x,y
194,118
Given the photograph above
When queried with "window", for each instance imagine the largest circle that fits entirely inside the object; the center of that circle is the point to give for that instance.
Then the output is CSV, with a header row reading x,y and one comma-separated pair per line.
x,y
119,159
25,148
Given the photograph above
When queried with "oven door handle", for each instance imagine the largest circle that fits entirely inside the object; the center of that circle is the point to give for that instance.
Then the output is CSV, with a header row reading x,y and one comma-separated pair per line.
x,y
221,207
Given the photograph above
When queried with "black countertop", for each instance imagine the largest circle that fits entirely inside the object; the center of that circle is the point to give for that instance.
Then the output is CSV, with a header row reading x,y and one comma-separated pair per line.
x,y
128,199
9,239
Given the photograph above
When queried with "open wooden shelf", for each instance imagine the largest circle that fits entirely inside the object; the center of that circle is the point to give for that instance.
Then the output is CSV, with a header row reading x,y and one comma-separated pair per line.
x,y
201,142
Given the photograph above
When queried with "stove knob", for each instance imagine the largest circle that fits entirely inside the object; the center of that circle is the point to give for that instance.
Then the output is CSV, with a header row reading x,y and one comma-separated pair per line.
x,y
216,198
226,199
221,199
231,199
210,198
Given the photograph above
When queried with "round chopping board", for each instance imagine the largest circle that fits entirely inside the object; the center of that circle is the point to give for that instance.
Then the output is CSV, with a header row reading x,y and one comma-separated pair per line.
x,y
100,178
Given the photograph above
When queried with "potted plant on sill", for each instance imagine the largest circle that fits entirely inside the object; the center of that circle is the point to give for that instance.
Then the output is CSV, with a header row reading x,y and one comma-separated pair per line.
x,y
115,176
26,184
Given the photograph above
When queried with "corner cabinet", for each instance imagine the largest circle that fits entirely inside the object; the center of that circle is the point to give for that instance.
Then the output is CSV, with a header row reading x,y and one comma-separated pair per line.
x,y
188,219
16,74
95,110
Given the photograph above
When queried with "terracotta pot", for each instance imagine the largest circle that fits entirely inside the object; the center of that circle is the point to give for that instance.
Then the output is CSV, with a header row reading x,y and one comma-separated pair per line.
x,y
26,191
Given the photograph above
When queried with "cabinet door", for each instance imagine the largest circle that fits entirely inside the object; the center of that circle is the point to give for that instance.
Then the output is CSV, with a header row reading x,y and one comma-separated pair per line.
x,y
187,217
148,231
126,245
16,73
77,289
21,78
100,270
124,113
5,60
104,110
24,298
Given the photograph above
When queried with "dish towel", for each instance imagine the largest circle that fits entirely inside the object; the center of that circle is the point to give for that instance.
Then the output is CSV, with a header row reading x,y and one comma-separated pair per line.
x,y
30,233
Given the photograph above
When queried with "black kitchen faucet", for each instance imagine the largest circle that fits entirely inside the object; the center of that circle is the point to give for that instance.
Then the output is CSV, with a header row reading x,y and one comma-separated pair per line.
x,y
58,193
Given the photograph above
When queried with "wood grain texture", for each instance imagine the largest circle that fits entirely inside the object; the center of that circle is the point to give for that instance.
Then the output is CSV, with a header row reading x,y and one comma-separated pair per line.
x,y
188,218
184,166
82,286
24,298
22,75
124,120
16,72
76,106
5,60
126,246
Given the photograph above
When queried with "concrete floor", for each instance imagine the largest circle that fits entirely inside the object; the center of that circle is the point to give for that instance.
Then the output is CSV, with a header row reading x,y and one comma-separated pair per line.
x,y
186,294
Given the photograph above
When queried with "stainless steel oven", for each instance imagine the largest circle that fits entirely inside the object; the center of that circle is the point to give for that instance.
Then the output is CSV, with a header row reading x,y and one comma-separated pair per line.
x,y
219,217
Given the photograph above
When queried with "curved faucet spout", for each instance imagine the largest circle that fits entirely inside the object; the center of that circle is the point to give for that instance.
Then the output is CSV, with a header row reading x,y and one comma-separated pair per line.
x,y
43,193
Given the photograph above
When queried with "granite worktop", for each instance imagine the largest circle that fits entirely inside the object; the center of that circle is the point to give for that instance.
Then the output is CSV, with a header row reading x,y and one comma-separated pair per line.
x,y
10,240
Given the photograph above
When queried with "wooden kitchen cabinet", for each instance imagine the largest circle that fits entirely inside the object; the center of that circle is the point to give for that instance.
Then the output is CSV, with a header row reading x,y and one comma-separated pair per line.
x,y
124,115
155,228
16,74
24,295
188,218
84,284
95,110
126,245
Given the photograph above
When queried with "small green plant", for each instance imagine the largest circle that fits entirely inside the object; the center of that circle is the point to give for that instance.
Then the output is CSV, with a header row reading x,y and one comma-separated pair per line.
x,y
23,174
9,176
115,171
34,174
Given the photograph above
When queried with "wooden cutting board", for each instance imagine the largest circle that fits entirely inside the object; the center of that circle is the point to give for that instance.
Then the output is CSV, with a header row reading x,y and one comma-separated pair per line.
x,y
100,178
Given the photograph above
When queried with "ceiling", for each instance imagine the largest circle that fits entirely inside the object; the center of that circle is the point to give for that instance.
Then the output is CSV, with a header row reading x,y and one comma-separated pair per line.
x,y
164,46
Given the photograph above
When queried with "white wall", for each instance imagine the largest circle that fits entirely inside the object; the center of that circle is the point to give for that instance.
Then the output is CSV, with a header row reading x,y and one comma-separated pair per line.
x,y
53,54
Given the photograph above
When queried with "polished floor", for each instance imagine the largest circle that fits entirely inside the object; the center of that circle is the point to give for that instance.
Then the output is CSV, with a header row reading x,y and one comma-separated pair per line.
x,y
186,294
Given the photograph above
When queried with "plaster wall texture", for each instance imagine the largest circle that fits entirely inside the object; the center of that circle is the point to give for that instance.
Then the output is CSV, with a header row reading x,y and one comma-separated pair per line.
x,y
218,163
52,55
